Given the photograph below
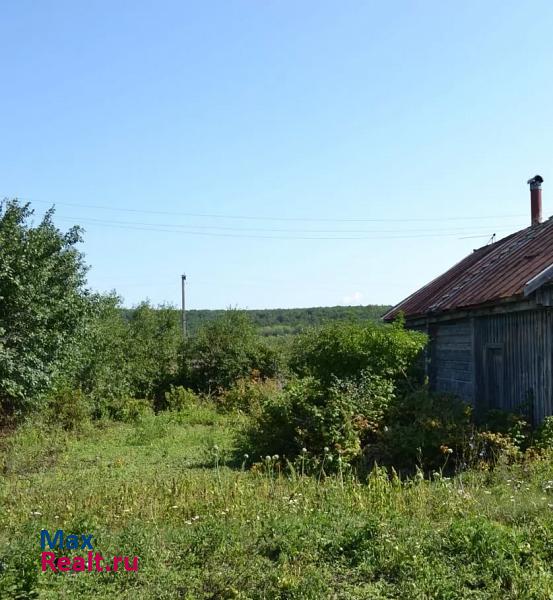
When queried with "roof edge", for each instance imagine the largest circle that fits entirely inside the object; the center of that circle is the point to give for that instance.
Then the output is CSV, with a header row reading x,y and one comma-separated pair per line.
x,y
539,280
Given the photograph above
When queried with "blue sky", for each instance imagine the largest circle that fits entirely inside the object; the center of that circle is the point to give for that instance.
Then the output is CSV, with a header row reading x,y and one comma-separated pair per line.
x,y
411,126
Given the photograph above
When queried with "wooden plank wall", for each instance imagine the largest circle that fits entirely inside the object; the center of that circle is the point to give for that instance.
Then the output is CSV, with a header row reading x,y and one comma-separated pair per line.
x,y
526,339
451,359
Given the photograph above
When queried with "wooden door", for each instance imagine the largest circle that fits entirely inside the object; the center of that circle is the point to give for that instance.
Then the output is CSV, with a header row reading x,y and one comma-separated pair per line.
x,y
494,376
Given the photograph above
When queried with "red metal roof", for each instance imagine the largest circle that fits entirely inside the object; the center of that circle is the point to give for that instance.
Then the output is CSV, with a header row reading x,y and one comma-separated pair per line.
x,y
495,272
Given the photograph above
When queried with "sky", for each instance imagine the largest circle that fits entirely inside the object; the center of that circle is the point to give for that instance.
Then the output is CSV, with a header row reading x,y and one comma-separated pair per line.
x,y
280,153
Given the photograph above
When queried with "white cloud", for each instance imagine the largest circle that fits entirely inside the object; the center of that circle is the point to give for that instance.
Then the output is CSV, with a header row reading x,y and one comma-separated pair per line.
x,y
354,298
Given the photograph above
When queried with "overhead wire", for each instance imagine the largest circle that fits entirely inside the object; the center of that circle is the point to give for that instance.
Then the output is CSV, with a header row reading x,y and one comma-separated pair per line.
x,y
461,229
272,217
376,235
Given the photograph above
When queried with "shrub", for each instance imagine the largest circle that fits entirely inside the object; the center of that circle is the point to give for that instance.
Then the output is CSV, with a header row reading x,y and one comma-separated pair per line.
x,y
178,399
154,343
425,429
120,354
129,410
334,421
511,424
344,350
99,362
544,435
68,408
223,351
249,394
492,448
501,436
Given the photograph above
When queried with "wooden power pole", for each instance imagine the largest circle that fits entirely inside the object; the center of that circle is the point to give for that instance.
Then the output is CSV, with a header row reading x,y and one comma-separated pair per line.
x,y
183,284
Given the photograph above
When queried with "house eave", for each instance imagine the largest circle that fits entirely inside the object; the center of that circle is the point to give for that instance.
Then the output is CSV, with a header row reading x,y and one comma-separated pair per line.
x,y
504,306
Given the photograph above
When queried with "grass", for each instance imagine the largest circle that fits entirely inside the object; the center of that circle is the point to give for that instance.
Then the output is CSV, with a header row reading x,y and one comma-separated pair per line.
x,y
162,489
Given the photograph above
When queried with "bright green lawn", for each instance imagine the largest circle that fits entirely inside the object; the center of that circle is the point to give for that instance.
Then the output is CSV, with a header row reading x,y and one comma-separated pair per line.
x,y
160,491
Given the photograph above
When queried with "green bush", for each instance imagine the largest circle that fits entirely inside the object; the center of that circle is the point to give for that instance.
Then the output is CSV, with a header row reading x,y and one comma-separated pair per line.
x,y
129,410
68,408
347,376
99,363
249,395
513,424
488,448
424,428
154,344
178,399
120,355
344,350
223,351
544,434
307,417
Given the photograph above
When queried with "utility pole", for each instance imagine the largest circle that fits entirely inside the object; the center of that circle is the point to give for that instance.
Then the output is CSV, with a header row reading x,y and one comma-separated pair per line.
x,y
183,283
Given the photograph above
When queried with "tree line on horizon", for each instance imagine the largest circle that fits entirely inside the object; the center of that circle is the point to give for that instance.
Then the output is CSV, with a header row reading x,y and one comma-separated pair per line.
x,y
285,321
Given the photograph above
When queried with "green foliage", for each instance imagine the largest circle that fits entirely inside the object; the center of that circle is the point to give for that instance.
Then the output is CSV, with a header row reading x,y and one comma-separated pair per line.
x,y
68,408
129,410
117,358
223,351
423,428
344,350
339,404
42,303
544,434
493,448
512,424
155,338
178,399
277,322
99,364
249,395
305,416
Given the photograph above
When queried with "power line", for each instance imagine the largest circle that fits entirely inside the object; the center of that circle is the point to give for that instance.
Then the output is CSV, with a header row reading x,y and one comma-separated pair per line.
x,y
272,218
271,237
462,229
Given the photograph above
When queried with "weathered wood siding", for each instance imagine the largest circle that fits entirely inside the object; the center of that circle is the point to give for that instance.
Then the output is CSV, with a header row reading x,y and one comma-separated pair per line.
x,y
451,358
524,340
499,359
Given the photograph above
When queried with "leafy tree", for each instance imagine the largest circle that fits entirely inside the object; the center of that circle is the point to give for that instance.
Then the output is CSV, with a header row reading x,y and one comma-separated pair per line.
x,y
99,364
225,350
155,339
344,350
121,354
42,302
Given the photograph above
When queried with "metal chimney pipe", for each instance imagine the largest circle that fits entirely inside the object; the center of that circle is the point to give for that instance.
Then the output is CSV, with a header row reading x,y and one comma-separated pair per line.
x,y
535,198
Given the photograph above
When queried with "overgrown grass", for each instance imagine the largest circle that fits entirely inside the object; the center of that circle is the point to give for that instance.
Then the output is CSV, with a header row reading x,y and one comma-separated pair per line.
x,y
163,489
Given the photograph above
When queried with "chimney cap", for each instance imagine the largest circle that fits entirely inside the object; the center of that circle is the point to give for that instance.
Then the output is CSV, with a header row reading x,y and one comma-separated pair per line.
x,y
535,182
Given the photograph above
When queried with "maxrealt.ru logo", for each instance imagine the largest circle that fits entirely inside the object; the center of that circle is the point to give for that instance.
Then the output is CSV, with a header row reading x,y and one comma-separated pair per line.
x,y
92,561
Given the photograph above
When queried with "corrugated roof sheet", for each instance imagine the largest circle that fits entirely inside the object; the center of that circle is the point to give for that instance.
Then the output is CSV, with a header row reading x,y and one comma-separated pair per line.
x,y
495,272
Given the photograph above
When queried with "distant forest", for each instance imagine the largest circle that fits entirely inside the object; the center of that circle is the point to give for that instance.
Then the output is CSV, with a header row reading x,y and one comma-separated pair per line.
x,y
286,321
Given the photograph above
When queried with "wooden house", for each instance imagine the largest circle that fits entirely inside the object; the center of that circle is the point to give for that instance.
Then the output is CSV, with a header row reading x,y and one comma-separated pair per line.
x,y
490,321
